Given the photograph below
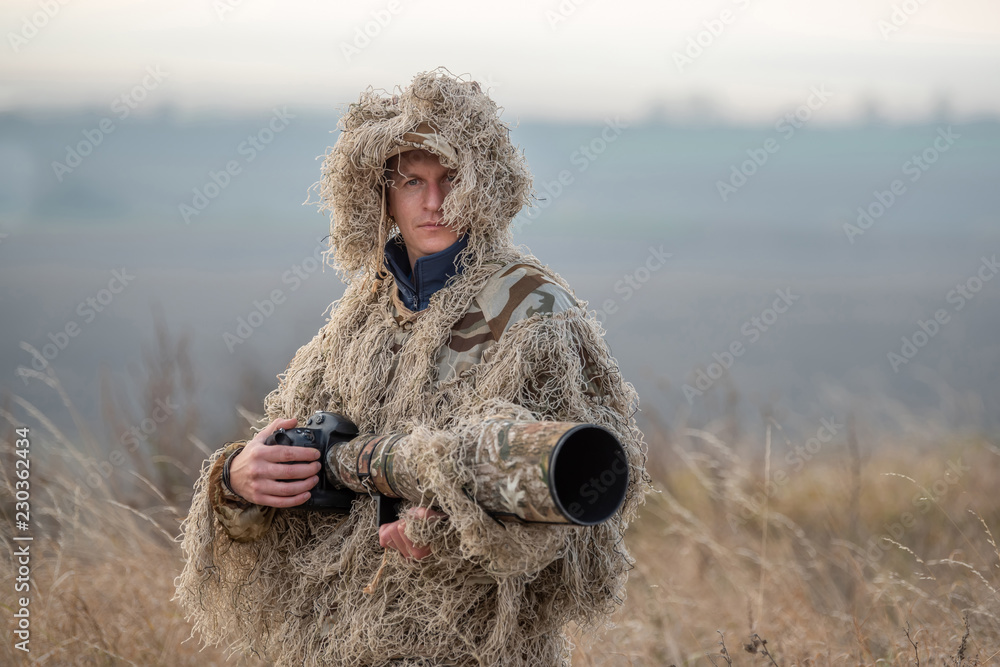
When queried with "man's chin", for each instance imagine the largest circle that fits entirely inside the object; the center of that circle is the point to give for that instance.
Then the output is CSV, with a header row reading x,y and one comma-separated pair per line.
x,y
434,248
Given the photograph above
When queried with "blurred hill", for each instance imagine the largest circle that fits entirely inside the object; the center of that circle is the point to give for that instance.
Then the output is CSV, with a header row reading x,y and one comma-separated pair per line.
x,y
648,178
611,200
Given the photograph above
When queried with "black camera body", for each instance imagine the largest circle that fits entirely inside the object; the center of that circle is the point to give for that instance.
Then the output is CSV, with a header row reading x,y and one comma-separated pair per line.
x,y
322,431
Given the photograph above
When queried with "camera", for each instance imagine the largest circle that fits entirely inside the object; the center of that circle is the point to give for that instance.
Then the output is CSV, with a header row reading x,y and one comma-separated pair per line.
x,y
322,431
526,471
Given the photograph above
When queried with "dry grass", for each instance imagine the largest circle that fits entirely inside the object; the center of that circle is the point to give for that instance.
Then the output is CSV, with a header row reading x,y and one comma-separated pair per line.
x,y
867,553
104,517
888,558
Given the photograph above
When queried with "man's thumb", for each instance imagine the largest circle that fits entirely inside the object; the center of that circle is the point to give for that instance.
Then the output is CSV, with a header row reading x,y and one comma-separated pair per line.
x,y
280,422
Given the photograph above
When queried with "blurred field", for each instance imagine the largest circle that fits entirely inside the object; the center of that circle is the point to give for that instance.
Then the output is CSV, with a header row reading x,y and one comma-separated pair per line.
x,y
858,551
833,566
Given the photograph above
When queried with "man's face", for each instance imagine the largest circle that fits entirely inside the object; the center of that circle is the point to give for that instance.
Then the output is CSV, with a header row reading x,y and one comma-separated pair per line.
x,y
416,193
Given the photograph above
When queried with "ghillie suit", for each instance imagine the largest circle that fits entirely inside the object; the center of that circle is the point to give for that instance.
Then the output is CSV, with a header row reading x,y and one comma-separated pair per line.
x,y
505,337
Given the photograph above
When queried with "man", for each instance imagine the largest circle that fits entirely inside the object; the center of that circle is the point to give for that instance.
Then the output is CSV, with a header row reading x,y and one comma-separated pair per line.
x,y
443,326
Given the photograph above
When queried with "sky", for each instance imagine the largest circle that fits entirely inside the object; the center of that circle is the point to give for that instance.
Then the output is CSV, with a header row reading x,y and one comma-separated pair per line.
x,y
734,60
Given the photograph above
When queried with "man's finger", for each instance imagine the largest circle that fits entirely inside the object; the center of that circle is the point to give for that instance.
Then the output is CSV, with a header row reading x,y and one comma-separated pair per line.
x,y
392,537
383,536
283,501
291,471
283,454
398,539
385,533
418,552
276,489
407,545
280,422
287,454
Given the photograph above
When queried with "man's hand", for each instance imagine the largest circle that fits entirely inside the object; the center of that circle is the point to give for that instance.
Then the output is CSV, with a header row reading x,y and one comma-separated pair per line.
x,y
391,535
257,471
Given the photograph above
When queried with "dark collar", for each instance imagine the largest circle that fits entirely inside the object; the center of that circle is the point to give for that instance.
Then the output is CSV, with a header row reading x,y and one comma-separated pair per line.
x,y
429,274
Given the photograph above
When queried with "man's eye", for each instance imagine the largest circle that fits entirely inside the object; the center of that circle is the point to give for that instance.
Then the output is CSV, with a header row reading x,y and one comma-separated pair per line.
x,y
413,181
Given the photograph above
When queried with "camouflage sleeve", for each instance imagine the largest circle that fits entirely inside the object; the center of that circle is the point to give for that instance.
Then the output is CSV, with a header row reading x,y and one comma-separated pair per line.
x,y
539,356
242,520
536,371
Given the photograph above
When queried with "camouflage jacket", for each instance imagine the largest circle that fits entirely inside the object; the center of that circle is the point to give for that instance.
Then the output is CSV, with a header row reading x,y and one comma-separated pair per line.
x,y
515,292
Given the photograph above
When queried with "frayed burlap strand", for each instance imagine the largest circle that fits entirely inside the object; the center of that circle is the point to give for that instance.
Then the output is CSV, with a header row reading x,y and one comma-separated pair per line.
x,y
489,594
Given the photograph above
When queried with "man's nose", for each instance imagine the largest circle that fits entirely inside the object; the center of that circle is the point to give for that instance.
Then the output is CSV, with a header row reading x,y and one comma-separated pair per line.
x,y
435,197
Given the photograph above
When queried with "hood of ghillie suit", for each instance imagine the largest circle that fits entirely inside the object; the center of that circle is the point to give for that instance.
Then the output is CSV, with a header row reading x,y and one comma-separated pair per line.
x,y
451,118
